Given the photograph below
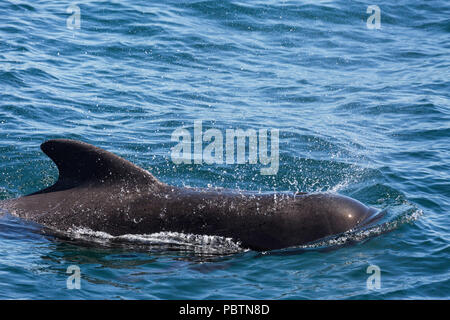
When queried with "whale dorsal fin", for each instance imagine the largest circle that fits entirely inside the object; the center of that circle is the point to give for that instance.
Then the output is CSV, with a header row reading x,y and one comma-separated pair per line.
x,y
81,163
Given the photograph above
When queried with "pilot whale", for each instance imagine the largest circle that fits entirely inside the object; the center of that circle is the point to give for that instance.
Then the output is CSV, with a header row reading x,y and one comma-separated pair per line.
x,y
99,190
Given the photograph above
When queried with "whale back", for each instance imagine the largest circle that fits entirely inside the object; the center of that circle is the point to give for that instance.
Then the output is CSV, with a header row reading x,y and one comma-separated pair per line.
x,y
104,192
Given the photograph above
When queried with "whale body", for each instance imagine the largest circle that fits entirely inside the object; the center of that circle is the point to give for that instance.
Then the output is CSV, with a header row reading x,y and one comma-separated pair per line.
x,y
101,191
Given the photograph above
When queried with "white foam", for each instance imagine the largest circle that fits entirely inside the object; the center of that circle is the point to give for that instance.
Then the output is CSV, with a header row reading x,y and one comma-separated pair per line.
x,y
193,242
360,235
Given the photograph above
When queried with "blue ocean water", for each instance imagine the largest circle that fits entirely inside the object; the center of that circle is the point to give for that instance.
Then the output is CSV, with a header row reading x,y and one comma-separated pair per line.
x,y
361,111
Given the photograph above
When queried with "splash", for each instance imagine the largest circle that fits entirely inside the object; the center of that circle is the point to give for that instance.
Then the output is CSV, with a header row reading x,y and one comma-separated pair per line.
x,y
353,236
201,244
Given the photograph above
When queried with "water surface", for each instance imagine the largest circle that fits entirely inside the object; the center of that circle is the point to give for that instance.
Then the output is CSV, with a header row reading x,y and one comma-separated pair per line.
x,y
361,112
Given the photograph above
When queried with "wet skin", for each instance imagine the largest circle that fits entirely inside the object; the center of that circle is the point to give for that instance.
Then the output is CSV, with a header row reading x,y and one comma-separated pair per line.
x,y
103,192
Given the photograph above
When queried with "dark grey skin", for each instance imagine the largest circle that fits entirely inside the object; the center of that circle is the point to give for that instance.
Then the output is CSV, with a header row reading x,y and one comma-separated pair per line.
x,y
103,192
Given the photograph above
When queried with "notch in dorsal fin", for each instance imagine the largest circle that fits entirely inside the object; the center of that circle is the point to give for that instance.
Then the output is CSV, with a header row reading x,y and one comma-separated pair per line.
x,y
81,163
